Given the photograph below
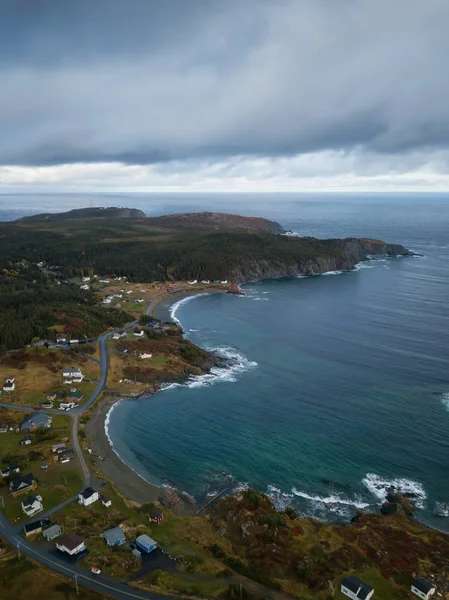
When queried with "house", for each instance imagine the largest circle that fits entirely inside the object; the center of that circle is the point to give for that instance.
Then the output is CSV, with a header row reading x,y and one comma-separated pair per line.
x,y
156,516
146,355
72,375
32,528
153,323
86,278
35,422
9,470
32,505
52,397
9,385
356,589
66,455
3,428
193,282
145,543
22,485
84,287
423,589
47,404
107,300
61,338
105,501
58,447
75,396
26,440
138,332
70,544
118,335
136,553
66,405
52,532
114,537
88,496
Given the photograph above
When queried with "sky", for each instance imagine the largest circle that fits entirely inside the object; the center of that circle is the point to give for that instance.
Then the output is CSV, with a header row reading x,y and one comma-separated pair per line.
x,y
239,95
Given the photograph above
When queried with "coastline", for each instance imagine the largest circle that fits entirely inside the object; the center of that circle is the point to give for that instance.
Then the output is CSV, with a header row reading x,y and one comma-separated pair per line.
x,y
127,481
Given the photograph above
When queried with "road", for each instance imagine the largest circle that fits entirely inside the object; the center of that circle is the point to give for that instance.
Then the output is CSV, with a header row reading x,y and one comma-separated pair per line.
x,y
101,584
11,532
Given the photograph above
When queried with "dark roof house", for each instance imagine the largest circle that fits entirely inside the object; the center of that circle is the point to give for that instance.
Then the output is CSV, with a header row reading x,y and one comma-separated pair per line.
x,y
156,516
422,588
23,484
356,589
31,528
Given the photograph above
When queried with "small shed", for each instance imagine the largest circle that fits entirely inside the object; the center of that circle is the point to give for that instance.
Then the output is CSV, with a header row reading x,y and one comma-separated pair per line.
x,y
137,553
156,516
145,543
52,532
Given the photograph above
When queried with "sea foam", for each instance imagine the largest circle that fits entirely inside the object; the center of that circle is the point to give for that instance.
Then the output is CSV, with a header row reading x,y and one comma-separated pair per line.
x,y
380,486
445,400
333,499
176,306
234,365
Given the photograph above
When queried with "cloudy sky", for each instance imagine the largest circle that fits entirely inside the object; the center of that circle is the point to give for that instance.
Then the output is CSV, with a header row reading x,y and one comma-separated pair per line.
x,y
224,95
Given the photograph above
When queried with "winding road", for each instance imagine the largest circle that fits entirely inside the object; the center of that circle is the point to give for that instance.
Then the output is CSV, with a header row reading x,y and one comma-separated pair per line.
x,y
10,533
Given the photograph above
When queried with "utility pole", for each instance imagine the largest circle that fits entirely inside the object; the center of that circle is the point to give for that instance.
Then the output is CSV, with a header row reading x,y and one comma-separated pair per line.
x,y
3,502
18,550
76,583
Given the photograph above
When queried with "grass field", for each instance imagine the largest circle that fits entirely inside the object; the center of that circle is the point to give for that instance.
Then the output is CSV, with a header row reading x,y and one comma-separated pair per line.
x,y
56,483
22,578
38,371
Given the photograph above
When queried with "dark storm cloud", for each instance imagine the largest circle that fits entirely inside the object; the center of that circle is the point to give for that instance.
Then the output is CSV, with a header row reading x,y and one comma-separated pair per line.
x,y
150,81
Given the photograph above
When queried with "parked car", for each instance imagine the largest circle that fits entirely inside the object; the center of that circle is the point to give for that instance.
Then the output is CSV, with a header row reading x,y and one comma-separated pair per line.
x,y
44,466
36,407
95,571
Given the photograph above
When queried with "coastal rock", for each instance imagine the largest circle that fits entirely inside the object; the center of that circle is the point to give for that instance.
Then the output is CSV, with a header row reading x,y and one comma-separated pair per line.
x,y
343,255
234,289
402,502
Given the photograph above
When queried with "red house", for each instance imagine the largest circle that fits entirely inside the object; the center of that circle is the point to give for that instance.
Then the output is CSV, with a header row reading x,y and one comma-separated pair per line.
x,y
156,516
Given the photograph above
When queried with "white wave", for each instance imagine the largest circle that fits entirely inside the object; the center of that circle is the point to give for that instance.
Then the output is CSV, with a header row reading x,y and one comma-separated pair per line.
x,y
176,306
280,499
361,266
241,487
442,509
301,276
333,499
193,330
380,486
332,273
445,400
235,365
107,421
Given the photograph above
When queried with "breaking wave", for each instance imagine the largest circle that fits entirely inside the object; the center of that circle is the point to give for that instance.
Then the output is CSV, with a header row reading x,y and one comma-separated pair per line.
x,y
176,306
332,500
380,487
233,365
445,400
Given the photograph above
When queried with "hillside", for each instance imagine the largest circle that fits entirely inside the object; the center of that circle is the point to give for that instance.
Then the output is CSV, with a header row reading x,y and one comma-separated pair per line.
x,y
88,213
307,558
209,221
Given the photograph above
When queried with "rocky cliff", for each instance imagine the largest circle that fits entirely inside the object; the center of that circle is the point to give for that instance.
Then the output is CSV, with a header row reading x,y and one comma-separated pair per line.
x,y
349,253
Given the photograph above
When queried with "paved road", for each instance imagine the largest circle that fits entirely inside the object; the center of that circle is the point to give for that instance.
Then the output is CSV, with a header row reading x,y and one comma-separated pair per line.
x,y
101,584
11,532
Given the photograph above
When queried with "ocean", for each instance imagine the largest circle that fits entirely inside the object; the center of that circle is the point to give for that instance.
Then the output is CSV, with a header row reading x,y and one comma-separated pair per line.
x,y
338,385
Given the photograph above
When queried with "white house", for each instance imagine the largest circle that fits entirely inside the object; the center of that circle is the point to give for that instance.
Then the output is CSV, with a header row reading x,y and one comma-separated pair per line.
x,y
88,496
105,501
107,300
70,544
224,281
9,385
356,589
146,355
423,589
138,332
84,287
118,335
32,505
72,375
86,278
193,282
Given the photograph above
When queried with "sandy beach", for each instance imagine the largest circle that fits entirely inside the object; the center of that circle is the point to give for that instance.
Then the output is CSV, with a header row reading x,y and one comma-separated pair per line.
x,y
127,482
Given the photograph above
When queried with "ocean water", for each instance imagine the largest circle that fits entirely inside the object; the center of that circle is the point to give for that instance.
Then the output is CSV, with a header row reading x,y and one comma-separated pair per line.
x,y
338,385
